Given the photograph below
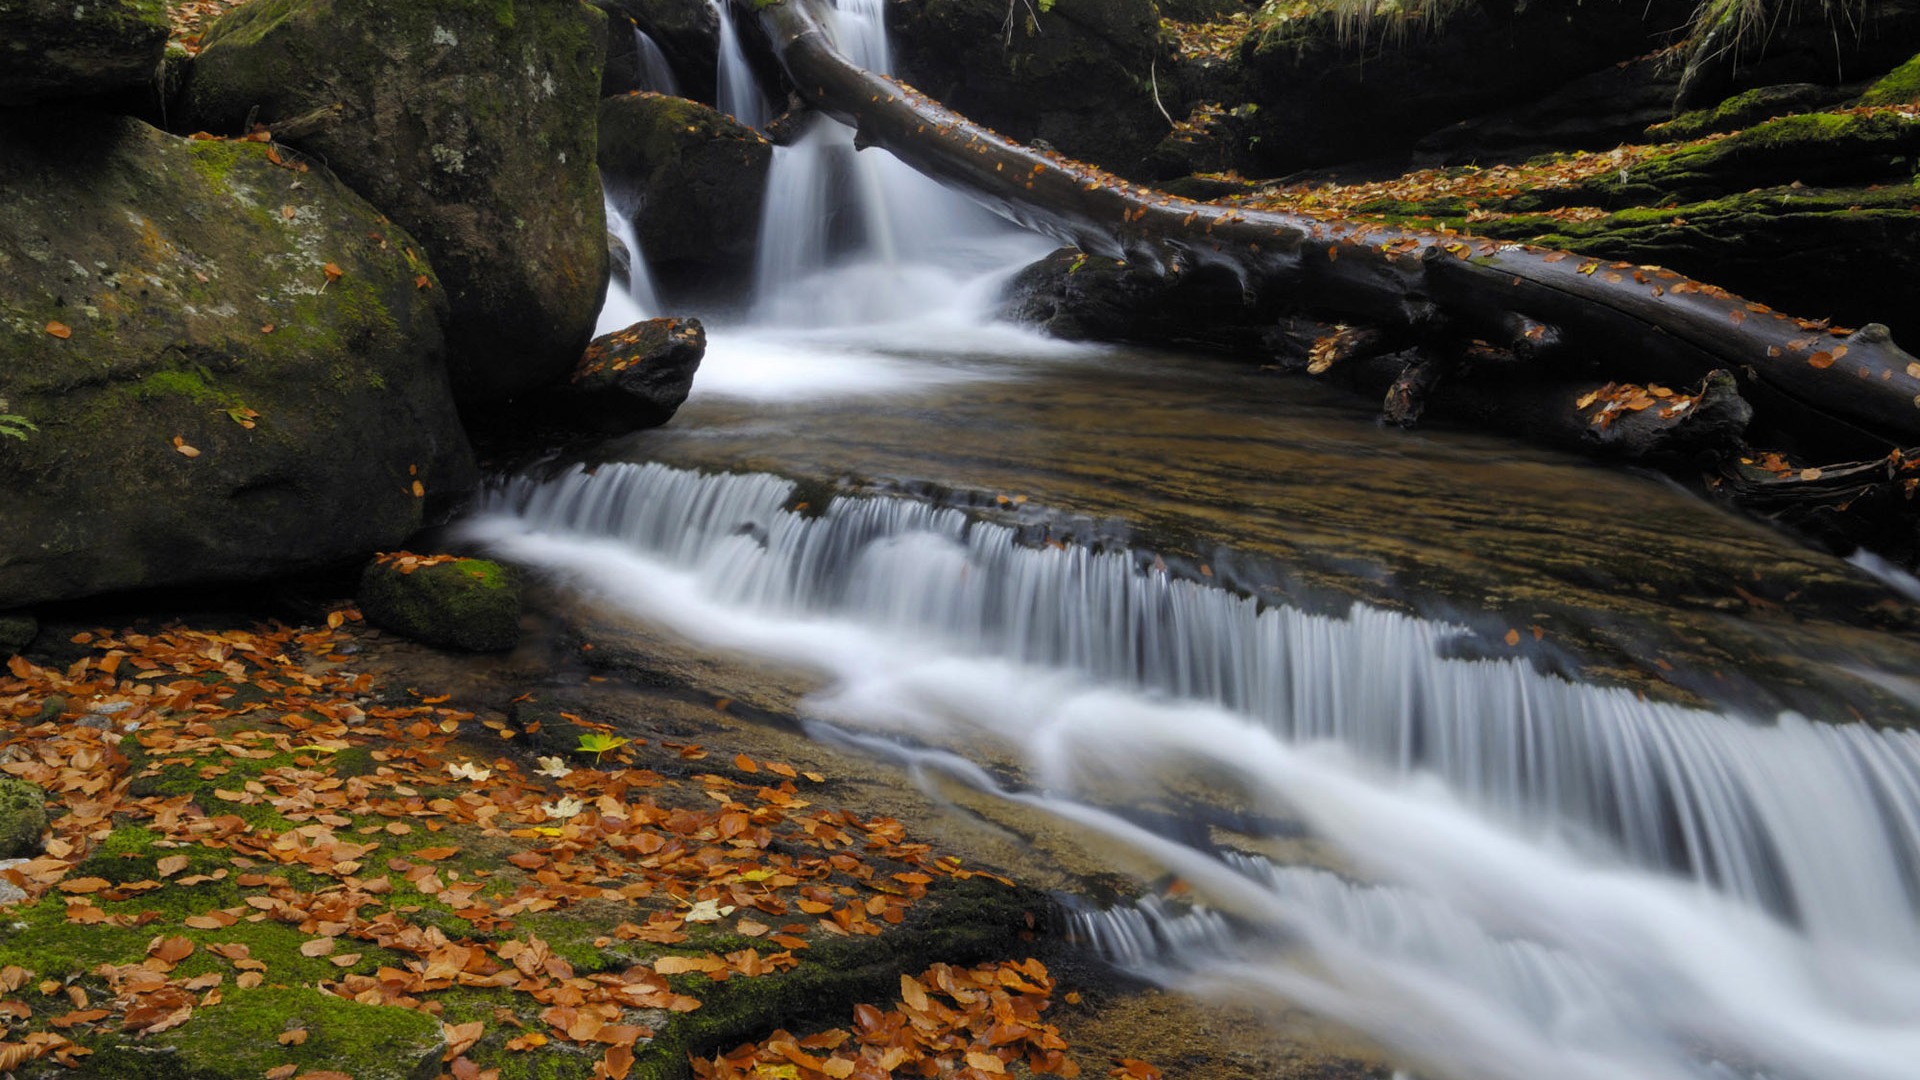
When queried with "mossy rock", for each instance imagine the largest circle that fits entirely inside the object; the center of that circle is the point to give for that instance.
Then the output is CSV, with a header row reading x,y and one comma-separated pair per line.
x,y
52,50
1745,109
23,818
218,354
692,180
17,631
1851,253
1815,149
471,604
238,1039
1901,86
471,124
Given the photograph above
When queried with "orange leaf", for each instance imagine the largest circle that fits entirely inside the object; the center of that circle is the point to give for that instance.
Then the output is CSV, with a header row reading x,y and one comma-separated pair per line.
x,y
171,864
170,949
333,272
60,330
912,994
745,763
434,854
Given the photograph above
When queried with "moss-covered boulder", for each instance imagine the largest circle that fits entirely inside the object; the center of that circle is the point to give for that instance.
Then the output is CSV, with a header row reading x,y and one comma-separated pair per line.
x,y
58,49
692,182
1078,74
1901,86
23,818
232,369
1745,109
468,122
1821,149
470,604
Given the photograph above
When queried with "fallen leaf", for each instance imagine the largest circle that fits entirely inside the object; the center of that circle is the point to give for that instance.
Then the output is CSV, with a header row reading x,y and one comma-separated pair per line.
x,y
60,330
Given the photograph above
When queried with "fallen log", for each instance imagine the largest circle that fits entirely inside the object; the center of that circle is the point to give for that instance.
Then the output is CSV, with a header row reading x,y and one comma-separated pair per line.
x,y
1826,389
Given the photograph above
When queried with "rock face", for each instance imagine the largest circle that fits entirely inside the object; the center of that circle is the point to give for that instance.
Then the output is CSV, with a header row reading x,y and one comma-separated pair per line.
x,y
57,49
470,604
686,31
1326,97
232,369
692,181
471,124
1078,76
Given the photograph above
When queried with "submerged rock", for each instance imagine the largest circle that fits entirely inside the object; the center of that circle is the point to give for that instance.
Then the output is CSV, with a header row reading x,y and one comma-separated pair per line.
x,y
692,181
232,370
470,604
472,125
57,49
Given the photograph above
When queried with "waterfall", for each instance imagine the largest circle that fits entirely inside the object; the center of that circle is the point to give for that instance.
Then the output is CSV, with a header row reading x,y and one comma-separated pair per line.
x,y
738,93
1560,878
655,73
854,236
624,307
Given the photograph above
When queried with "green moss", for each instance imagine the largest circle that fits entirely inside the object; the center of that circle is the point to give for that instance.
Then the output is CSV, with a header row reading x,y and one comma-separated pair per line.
x,y
469,604
191,385
239,1038
1901,86
1743,109
23,818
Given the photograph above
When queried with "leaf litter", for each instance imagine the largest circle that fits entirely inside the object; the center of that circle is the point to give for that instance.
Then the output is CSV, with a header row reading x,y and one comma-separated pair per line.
x,y
382,829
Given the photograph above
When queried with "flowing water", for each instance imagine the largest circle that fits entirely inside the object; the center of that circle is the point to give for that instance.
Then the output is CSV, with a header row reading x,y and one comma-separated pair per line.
x,y
655,73
1521,767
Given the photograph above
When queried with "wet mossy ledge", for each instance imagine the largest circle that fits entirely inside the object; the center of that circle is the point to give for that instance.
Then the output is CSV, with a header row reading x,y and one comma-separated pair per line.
x,y
265,860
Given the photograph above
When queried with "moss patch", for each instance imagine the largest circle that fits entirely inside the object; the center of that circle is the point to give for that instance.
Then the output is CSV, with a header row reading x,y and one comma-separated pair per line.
x,y
471,604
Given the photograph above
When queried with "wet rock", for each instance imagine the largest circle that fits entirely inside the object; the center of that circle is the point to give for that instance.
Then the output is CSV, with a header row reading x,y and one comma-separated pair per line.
x,y
692,181
635,378
216,354
1078,75
52,50
470,125
470,604
23,818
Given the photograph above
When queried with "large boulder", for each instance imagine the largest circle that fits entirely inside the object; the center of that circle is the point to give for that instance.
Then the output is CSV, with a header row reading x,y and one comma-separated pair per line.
x,y
692,182
57,49
1078,74
230,368
471,124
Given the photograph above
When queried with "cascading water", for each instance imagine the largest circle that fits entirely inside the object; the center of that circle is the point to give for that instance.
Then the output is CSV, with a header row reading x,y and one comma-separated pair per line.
x,y
655,73
624,307
738,93
1555,878
1514,875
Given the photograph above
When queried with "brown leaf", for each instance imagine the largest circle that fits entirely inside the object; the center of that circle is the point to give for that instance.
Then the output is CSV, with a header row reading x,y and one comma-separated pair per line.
x,y
171,864
172,950
319,946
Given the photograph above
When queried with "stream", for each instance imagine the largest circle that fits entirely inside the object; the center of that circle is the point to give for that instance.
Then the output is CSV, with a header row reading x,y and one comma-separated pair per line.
x,y
1519,766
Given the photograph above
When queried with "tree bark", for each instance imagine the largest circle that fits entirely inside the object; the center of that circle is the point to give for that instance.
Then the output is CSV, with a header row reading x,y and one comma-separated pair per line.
x,y
1832,390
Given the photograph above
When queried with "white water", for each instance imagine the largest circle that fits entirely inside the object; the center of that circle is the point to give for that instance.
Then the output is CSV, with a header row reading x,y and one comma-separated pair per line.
x,y
1548,879
738,93
655,73
1560,879
624,307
